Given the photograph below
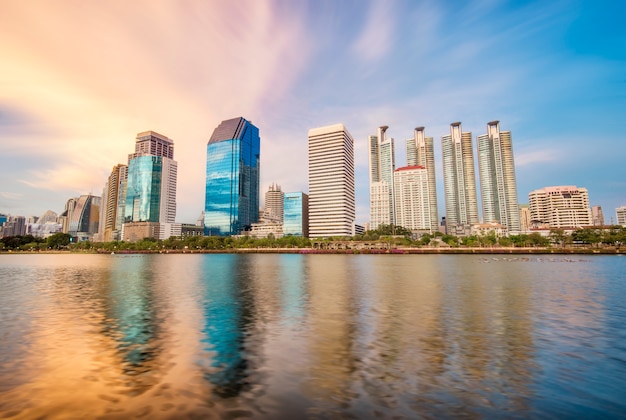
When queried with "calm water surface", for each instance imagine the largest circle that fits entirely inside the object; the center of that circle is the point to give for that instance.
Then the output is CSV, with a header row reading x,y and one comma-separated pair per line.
x,y
313,336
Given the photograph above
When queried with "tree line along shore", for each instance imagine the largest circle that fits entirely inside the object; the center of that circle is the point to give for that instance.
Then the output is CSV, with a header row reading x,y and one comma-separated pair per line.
x,y
386,239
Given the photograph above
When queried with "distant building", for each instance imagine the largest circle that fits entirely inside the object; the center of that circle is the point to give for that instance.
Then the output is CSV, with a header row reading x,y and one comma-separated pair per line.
x,y
524,217
420,152
482,229
597,216
274,204
13,226
232,178
381,165
331,182
620,212
266,229
114,203
412,198
459,181
296,214
85,217
498,185
560,207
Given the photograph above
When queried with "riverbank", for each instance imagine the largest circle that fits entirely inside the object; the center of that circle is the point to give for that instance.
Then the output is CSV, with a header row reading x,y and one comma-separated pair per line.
x,y
396,251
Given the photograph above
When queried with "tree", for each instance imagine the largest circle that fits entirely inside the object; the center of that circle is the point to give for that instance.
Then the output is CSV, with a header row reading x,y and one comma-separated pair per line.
x,y
58,240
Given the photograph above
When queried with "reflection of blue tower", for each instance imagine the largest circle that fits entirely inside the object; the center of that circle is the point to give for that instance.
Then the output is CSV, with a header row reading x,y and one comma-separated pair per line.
x,y
131,313
227,311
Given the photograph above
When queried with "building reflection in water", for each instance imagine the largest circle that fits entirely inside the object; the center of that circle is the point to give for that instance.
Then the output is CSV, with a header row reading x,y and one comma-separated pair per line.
x,y
228,303
134,319
331,332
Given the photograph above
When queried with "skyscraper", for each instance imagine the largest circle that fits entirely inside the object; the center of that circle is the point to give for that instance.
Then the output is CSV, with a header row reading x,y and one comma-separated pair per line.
x,y
274,204
85,217
232,178
498,186
459,181
382,165
296,214
331,181
420,152
151,180
114,203
412,198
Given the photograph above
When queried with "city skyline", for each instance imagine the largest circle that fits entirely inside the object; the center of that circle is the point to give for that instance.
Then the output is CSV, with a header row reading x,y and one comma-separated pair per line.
x,y
79,82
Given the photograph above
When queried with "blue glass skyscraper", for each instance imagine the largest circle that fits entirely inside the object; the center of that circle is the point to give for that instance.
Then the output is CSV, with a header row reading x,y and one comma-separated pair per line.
x,y
296,214
232,178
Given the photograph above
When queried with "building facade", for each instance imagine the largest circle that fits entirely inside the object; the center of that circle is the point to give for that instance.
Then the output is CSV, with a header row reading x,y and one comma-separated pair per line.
x,y
498,186
114,204
420,152
232,178
151,180
412,199
381,165
85,218
274,198
459,181
620,213
597,216
331,182
296,214
560,207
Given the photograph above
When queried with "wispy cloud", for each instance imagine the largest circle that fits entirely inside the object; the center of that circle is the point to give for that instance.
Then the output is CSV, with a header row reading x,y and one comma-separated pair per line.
x,y
377,35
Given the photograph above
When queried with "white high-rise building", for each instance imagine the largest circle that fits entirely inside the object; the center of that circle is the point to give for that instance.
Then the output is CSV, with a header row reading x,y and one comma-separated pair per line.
x,y
412,198
420,152
459,181
620,213
274,198
331,182
560,207
498,185
382,165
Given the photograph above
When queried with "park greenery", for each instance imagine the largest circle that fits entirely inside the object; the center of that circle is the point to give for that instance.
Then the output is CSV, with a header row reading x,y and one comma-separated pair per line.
x,y
393,236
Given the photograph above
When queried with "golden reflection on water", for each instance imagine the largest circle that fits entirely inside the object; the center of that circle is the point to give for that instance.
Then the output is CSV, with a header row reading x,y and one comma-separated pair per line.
x,y
166,336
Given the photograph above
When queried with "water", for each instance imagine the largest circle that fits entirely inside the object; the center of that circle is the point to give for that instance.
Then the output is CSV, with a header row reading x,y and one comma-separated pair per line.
x,y
313,336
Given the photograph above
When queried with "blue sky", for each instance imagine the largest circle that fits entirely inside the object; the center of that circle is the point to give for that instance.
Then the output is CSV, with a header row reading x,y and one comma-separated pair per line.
x,y
80,79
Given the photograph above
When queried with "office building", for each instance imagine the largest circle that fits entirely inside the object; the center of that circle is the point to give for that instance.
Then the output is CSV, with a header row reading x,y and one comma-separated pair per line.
x,y
232,178
331,182
274,204
524,217
13,226
296,214
85,218
420,152
412,199
381,165
620,213
560,207
597,216
151,180
498,185
459,181
114,204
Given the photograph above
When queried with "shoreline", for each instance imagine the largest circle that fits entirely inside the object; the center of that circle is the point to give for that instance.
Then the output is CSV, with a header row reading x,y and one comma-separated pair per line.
x,y
393,251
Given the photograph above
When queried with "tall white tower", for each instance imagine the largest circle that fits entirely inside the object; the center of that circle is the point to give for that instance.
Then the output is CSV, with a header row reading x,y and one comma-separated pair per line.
x,y
459,181
420,152
331,182
382,165
498,187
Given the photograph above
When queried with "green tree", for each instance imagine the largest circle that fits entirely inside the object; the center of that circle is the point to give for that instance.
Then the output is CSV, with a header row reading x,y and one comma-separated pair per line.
x,y
58,240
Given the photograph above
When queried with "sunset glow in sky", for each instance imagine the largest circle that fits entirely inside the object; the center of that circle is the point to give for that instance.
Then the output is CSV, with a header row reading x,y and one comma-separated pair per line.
x,y
79,80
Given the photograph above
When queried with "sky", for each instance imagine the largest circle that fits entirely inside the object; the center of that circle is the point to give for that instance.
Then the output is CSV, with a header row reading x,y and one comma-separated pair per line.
x,y
80,79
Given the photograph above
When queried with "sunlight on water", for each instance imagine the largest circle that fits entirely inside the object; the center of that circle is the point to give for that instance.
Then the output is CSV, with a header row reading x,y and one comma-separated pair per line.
x,y
318,336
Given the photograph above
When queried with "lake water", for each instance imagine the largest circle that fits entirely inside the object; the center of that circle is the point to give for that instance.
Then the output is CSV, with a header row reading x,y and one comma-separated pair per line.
x,y
312,336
